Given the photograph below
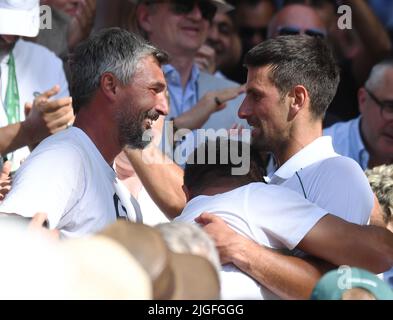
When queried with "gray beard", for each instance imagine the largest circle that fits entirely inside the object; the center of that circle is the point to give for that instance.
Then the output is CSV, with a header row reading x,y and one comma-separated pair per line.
x,y
132,133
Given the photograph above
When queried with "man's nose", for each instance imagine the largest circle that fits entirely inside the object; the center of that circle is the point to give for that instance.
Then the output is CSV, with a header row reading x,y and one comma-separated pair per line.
x,y
163,104
244,111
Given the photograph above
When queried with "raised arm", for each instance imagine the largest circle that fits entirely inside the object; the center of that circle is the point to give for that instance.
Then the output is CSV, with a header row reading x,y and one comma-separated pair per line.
x,y
211,102
161,177
44,118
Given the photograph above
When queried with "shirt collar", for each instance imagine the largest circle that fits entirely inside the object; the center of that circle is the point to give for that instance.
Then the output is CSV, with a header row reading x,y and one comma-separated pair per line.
x,y
357,142
173,76
320,149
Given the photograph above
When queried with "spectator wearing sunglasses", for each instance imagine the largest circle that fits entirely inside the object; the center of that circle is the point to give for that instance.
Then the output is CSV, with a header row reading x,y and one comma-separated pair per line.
x,y
252,18
297,19
368,139
358,49
180,28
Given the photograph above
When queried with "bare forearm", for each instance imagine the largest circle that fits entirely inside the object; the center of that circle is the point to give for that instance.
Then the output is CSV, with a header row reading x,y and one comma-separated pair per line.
x,y
343,243
161,177
287,276
14,136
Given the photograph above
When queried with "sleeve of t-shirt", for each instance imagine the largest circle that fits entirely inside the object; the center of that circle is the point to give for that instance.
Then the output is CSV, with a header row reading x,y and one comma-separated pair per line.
x,y
282,214
341,187
49,181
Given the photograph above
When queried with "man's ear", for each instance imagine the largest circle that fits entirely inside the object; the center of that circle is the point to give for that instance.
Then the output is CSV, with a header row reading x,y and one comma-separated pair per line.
x,y
186,192
362,97
109,85
298,97
143,17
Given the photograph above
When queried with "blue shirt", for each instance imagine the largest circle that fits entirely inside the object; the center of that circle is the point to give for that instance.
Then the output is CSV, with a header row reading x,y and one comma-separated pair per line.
x,y
181,99
348,141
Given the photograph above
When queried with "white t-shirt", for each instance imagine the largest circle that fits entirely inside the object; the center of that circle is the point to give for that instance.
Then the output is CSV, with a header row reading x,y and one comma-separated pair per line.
x,y
67,178
270,215
37,70
333,182
152,214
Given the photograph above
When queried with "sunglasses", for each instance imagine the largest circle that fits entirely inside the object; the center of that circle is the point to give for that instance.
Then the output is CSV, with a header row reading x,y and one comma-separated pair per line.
x,y
290,31
180,7
386,106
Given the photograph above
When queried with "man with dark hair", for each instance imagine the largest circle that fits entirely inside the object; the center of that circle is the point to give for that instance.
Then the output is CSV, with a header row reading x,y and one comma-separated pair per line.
x,y
255,210
118,90
291,81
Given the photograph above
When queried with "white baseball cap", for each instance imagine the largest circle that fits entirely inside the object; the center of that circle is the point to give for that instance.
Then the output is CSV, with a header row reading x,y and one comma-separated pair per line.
x,y
19,17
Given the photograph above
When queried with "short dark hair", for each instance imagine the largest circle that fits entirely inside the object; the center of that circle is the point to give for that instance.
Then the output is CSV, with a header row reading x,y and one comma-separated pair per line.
x,y
198,176
299,60
111,50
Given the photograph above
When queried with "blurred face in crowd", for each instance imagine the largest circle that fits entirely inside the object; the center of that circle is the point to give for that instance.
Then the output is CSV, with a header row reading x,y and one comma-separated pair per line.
x,y
253,20
141,103
295,19
68,6
225,41
265,111
376,107
179,27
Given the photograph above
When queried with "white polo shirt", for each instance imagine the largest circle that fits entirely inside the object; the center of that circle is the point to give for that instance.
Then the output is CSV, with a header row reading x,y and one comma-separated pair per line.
x,y
333,182
258,212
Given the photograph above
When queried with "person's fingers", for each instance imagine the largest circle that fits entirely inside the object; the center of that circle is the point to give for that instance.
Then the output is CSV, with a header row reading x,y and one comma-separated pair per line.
x,y
5,189
38,220
228,94
6,170
54,105
28,107
5,182
206,218
201,62
61,122
51,92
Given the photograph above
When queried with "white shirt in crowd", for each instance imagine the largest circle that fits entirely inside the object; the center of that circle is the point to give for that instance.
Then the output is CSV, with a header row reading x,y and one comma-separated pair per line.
x,y
258,212
37,70
67,178
347,141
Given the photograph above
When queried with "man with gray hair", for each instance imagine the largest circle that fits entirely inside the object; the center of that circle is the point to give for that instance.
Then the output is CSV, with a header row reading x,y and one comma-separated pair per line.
x,y
118,92
368,139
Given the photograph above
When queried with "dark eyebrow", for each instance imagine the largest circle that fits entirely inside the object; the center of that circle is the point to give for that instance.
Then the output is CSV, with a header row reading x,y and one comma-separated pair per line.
x,y
253,91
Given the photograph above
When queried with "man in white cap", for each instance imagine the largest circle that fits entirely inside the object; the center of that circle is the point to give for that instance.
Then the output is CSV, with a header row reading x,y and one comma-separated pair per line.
x,y
28,70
